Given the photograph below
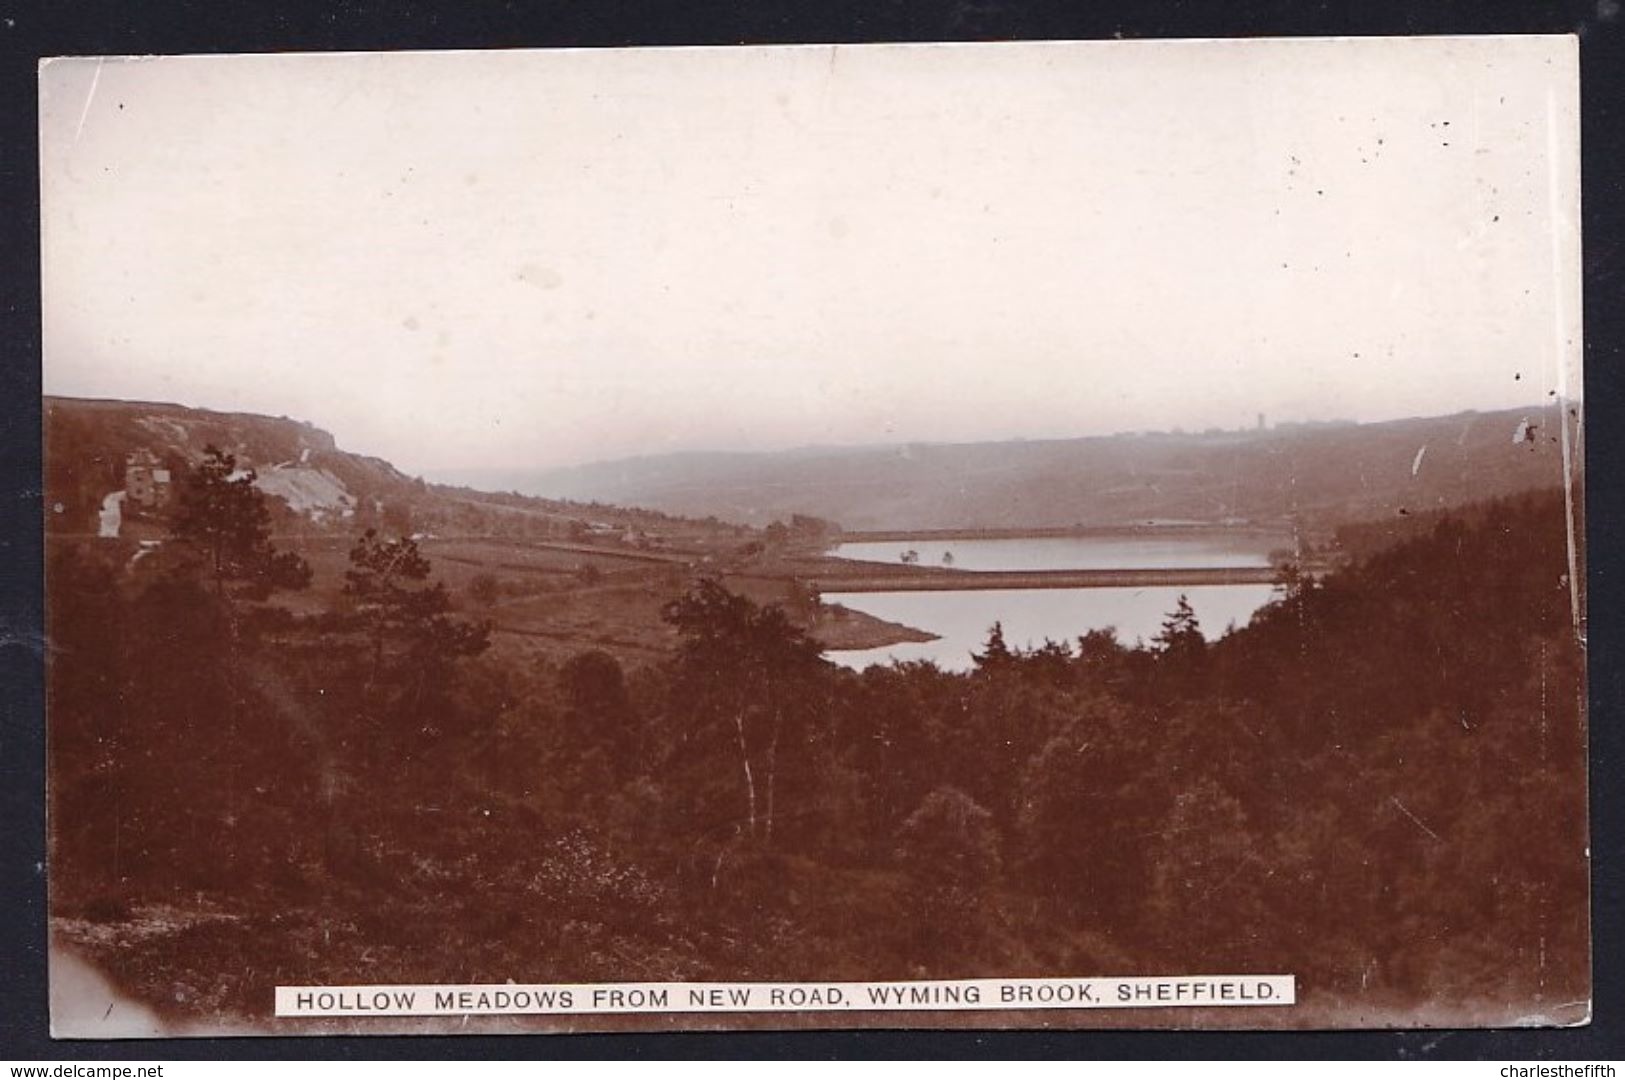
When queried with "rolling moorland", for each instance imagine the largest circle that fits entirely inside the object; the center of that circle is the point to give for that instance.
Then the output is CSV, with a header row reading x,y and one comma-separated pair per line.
x,y
1315,475
285,749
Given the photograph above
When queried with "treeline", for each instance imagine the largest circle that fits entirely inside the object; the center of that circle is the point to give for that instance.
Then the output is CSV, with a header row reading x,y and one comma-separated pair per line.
x,y
1378,786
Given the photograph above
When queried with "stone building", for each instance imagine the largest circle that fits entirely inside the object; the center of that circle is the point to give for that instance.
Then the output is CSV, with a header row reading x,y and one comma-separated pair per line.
x,y
146,480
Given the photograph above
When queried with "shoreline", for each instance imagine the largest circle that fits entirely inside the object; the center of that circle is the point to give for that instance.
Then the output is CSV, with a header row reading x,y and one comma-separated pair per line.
x,y
839,628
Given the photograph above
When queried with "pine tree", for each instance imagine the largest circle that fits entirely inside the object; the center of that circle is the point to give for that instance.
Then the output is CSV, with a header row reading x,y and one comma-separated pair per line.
x,y
1181,634
995,655
223,516
405,613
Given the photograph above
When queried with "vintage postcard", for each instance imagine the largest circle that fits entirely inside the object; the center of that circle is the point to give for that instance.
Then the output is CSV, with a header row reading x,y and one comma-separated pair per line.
x,y
1017,535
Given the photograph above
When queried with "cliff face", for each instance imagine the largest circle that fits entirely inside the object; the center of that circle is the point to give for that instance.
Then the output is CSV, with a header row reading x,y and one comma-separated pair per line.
x,y
179,427
96,449
89,443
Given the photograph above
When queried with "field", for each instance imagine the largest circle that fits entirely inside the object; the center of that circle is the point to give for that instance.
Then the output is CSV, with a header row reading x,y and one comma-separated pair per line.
x,y
549,601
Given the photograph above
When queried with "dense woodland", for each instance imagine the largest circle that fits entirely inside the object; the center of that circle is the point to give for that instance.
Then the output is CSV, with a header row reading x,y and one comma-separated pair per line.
x,y
1377,786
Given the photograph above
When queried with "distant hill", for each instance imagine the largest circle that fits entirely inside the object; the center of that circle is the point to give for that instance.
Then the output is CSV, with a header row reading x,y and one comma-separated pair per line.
x,y
1322,473
91,445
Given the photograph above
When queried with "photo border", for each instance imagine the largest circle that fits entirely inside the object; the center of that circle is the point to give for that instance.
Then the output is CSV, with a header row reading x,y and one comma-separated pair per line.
x,y
164,26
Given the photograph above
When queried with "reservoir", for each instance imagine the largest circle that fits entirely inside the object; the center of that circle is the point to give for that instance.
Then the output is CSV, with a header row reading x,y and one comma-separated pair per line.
x,y
961,619
1125,551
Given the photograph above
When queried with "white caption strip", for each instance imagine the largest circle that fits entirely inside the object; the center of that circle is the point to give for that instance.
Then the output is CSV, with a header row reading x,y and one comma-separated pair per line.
x,y
518,999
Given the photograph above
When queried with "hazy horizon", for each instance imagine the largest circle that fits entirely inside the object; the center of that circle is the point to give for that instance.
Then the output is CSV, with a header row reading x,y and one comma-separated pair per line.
x,y
451,474
532,259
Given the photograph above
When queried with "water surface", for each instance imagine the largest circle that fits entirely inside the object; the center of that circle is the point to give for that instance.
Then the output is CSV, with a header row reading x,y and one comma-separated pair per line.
x,y
1072,552
1030,616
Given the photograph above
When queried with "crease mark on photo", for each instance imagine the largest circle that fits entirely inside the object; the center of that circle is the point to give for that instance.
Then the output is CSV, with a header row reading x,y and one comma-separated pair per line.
x,y
90,96
1420,824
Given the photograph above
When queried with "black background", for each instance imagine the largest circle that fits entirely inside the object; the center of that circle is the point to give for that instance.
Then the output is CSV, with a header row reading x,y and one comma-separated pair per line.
x,y
30,31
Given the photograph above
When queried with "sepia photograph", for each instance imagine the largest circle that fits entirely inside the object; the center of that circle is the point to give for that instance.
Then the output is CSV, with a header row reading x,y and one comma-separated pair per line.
x,y
1020,535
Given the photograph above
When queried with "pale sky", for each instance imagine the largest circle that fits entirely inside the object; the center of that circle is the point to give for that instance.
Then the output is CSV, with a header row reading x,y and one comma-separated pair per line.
x,y
537,258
